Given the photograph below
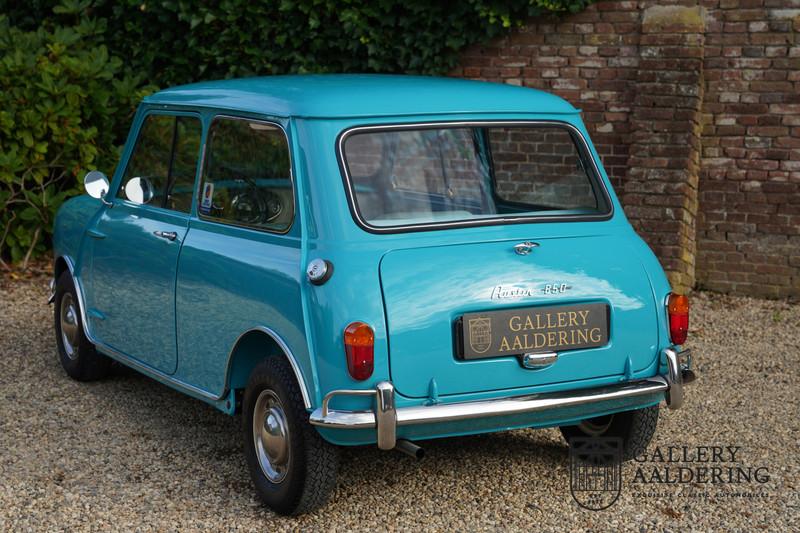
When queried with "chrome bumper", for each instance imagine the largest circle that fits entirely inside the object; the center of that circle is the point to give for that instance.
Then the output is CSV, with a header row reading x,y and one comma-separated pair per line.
x,y
385,417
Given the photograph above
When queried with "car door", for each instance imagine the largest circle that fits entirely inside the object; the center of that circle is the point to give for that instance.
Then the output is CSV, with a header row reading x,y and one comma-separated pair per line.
x,y
137,241
240,265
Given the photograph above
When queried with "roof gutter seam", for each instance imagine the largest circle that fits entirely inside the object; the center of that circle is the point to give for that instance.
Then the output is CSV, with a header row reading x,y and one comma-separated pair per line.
x,y
153,102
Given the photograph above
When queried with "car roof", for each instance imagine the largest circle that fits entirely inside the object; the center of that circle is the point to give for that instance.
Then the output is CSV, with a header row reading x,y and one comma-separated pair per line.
x,y
361,95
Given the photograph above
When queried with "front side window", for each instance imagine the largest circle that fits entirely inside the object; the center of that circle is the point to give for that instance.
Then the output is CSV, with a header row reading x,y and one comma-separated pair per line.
x,y
165,158
247,177
404,177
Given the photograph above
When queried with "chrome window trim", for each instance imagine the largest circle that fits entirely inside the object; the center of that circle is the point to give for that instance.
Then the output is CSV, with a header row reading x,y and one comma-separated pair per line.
x,y
202,167
352,202
154,373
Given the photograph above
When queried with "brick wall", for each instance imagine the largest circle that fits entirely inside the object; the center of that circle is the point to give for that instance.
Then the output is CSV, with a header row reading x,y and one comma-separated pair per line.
x,y
695,111
539,166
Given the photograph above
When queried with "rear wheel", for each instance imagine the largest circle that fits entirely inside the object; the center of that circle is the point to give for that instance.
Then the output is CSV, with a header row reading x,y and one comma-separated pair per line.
x,y
634,428
78,356
292,467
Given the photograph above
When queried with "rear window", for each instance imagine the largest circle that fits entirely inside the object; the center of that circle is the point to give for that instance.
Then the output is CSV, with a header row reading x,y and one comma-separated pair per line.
x,y
407,177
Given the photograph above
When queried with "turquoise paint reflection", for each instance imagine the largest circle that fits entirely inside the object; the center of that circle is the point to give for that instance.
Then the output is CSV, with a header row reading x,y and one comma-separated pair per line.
x,y
463,287
133,283
231,280
427,289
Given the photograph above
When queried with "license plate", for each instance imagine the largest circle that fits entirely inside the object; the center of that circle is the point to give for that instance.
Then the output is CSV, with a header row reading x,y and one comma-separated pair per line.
x,y
553,328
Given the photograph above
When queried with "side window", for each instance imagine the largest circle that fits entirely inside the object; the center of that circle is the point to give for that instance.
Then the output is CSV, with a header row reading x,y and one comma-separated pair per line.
x,y
247,177
165,156
183,170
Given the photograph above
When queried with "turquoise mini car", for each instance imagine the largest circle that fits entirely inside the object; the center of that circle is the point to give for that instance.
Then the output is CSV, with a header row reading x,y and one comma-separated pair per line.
x,y
368,260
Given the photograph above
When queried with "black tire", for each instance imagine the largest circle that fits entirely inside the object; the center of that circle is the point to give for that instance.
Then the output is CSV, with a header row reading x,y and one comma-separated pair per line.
x,y
310,469
634,428
78,356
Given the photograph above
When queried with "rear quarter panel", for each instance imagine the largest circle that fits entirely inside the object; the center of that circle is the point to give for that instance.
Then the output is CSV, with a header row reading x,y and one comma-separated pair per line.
x,y
231,280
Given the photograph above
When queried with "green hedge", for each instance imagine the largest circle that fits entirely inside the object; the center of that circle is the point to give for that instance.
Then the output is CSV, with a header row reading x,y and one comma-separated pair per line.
x,y
71,72
64,106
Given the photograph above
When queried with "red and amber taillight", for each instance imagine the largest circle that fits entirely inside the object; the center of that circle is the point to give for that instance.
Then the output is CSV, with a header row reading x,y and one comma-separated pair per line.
x,y
678,312
359,347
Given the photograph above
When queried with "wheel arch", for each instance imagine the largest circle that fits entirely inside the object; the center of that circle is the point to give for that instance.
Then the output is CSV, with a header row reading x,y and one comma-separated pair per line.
x,y
64,263
252,347
61,265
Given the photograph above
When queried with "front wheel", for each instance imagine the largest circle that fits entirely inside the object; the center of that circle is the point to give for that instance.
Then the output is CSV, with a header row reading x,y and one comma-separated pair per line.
x,y
635,429
78,356
292,467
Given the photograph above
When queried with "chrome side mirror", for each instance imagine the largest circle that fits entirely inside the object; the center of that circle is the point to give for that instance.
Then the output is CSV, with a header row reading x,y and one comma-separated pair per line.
x,y
139,190
96,185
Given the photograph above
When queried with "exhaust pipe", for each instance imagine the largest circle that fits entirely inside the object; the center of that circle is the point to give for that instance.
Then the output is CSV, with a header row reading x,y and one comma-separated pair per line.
x,y
409,448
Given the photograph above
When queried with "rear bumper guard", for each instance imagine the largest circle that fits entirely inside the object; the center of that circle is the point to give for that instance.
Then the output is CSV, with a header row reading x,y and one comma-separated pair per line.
x,y
386,417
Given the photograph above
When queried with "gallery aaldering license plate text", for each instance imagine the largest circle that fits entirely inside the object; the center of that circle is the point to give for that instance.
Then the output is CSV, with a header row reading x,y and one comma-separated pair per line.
x,y
552,328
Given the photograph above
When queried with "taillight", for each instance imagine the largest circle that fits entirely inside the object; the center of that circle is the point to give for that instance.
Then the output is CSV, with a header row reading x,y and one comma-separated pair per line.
x,y
678,311
359,347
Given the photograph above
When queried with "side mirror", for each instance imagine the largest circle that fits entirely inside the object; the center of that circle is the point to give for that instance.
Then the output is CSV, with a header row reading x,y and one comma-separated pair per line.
x,y
139,190
96,184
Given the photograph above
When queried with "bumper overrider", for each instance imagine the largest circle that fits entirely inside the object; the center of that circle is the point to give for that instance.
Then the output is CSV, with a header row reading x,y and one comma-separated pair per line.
x,y
386,417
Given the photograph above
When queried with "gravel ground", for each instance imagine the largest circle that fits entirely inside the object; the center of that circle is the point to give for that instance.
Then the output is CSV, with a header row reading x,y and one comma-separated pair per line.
x,y
130,454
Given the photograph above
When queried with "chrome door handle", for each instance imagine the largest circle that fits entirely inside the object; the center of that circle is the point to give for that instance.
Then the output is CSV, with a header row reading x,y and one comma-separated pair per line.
x,y
524,248
539,360
169,235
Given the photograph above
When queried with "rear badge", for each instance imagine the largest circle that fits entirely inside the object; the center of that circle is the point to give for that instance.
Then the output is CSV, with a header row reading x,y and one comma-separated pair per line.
x,y
503,292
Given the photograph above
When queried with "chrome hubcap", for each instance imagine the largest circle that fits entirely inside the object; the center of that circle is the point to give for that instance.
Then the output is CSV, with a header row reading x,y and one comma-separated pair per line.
x,y
596,426
69,326
271,436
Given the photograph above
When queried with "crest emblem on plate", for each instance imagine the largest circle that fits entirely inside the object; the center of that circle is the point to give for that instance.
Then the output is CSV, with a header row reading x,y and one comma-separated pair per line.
x,y
480,334
595,471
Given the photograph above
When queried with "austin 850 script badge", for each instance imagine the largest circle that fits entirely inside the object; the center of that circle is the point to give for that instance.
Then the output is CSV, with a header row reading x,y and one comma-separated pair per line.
x,y
502,292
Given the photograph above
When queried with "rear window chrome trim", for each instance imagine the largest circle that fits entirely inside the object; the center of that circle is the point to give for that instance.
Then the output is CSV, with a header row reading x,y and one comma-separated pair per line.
x,y
597,179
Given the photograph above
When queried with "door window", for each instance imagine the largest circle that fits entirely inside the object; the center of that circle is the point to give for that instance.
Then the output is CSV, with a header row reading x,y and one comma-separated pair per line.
x,y
166,155
247,177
